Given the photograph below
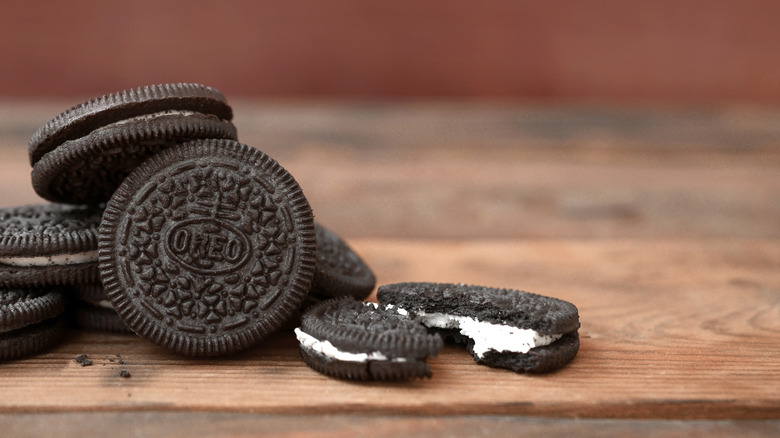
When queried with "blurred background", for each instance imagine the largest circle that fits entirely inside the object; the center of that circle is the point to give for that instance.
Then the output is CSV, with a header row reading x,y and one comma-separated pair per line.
x,y
447,119
666,50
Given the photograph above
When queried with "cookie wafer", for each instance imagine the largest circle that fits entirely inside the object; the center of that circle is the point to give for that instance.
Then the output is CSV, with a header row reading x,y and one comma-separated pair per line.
x,y
94,113
93,311
207,248
340,270
101,319
48,244
30,321
82,155
503,328
349,339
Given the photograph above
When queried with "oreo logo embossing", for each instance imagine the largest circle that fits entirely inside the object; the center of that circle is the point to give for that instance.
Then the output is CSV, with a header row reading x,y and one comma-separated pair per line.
x,y
207,246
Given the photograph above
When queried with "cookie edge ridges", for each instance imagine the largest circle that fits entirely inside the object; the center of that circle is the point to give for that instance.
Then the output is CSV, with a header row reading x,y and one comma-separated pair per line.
x,y
51,134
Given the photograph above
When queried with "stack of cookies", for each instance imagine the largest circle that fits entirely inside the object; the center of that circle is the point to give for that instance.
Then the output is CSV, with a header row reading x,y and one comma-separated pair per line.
x,y
162,224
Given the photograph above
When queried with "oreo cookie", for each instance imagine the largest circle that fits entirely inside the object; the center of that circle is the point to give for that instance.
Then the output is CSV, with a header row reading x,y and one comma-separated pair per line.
x,y
207,248
340,270
30,321
502,328
48,244
82,155
93,311
348,339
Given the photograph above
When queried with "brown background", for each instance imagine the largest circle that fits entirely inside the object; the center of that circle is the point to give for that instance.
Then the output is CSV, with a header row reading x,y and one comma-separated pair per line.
x,y
668,50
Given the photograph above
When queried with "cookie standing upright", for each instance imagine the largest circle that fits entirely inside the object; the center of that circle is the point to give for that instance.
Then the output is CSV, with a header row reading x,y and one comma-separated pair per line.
x,y
48,244
83,154
340,270
353,340
503,328
207,248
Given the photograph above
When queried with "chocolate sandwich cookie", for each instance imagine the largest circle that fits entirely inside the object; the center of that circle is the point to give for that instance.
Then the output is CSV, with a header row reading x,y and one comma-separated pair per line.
x,y
207,248
82,155
502,328
30,321
48,244
340,270
93,310
349,339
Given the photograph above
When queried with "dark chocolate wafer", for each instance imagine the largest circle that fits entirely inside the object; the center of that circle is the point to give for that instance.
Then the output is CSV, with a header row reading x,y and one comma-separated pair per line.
x,y
349,339
93,311
95,113
30,321
503,328
101,319
207,248
82,155
31,340
48,244
87,170
340,270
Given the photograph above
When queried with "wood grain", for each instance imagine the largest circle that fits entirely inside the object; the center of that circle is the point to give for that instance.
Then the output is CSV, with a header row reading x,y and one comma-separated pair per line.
x,y
695,338
660,224
221,424
435,170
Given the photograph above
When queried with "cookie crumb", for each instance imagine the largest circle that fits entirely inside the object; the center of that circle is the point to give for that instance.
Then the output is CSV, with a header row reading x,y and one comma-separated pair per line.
x,y
124,373
82,359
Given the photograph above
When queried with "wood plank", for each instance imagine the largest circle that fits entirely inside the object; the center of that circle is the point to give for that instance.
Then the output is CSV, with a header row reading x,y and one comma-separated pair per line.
x,y
670,329
434,170
206,424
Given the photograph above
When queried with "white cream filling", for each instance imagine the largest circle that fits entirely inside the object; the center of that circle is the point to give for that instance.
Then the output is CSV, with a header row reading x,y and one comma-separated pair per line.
x,y
487,336
105,304
327,349
182,113
59,259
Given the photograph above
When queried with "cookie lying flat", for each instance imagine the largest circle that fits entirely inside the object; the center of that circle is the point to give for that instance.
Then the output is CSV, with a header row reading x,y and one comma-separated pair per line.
x,y
30,321
48,244
94,312
340,270
502,328
349,339
82,155
207,248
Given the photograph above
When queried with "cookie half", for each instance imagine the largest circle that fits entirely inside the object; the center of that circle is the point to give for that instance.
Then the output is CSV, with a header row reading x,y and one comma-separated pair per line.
x,y
81,156
340,270
30,321
48,244
353,340
207,248
503,328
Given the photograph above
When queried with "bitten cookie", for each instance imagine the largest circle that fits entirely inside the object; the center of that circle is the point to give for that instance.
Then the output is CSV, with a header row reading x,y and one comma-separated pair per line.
x,y
207,248
349,339
502,328
48,244
82,155
30,321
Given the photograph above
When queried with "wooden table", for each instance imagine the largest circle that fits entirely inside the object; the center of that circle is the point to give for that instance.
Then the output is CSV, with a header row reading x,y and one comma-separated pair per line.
x,y
661,224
